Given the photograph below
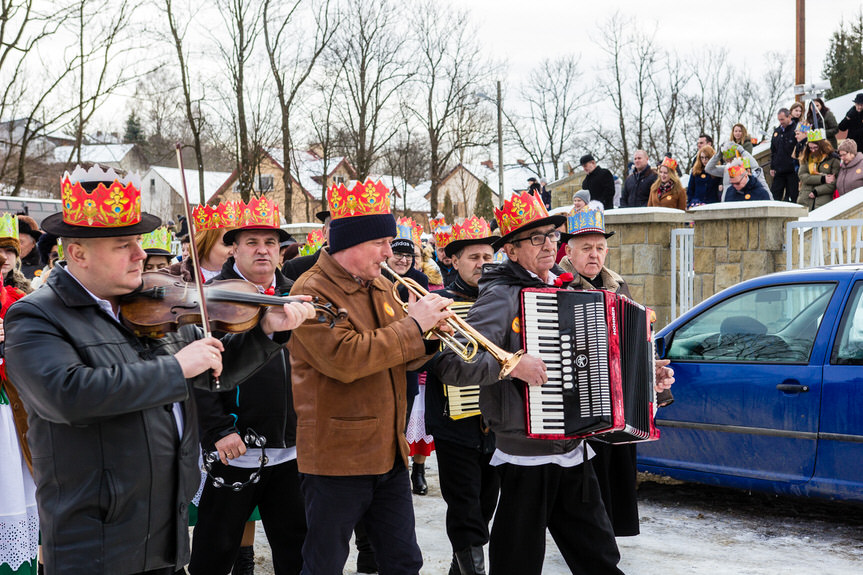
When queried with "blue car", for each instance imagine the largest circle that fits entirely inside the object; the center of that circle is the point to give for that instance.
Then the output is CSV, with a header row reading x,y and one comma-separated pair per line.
x,y
768,387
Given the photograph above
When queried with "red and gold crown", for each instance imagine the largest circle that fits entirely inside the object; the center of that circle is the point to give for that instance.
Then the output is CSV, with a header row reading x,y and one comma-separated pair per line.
x,y
314,241
518,211
736,170
669,163
223,215
258,213
443,235
473,228
436,223
408,229
364,199
113,206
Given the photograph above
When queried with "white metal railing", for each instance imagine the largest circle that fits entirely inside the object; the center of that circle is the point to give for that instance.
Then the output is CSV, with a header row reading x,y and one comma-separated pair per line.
x,y
828,243
682,270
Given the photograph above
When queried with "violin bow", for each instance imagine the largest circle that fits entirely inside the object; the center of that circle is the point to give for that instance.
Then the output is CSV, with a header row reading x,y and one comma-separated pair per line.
x,y
193,254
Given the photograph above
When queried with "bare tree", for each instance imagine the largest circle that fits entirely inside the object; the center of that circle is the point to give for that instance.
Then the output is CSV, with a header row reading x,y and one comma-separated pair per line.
x,y
555,96
290,76
709,106
668,84
614,41
771,90
371,48
322,116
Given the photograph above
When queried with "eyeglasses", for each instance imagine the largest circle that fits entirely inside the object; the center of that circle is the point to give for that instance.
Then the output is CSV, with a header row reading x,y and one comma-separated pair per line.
x,y
405,257
539,239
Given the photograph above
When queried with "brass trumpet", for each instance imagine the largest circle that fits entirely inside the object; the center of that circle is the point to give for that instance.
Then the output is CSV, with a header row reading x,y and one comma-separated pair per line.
x,y
473,339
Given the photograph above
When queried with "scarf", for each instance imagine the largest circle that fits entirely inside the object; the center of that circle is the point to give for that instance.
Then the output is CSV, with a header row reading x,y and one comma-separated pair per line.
x,y
664,188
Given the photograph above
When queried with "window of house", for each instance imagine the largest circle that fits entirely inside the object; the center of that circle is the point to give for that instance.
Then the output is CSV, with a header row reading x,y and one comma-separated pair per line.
x,y
265,183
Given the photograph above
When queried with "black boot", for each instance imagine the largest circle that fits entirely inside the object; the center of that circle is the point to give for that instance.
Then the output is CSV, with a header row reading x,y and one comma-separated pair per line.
x,y
245,562
453,567
471,561
418,479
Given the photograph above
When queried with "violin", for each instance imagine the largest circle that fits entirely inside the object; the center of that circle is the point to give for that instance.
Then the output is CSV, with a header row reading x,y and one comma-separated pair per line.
x,y
164,302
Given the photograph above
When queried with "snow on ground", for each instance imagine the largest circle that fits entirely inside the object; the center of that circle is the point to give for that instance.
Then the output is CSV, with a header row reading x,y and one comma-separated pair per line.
x,y
686,529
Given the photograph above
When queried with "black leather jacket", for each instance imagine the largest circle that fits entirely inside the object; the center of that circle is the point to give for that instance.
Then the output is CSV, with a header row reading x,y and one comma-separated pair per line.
x,y
114,479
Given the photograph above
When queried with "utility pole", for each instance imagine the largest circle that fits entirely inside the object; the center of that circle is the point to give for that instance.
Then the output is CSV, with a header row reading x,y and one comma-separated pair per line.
x,y
499,145
800,60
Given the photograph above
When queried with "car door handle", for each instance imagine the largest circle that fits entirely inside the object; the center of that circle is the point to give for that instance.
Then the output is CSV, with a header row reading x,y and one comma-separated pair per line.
x,y
792,388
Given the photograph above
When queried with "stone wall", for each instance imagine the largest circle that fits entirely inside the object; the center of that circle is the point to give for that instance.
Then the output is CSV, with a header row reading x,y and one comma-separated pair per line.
x,y
732,242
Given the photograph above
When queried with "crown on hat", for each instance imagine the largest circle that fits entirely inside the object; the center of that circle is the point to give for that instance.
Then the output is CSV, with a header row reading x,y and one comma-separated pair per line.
x,y
408,229
364,199
259,212
112,206
436,223
223,215
518,211
314,241
589,222
443,235
159,239
8,226
669,163
816,135
736,170
473,228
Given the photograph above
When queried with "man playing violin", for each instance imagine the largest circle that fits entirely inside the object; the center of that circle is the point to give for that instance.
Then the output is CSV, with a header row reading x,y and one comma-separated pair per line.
x,y
265,404
349,391
113,422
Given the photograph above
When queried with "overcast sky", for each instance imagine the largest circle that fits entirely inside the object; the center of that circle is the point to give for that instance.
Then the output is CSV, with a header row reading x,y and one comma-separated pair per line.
x,y
525,31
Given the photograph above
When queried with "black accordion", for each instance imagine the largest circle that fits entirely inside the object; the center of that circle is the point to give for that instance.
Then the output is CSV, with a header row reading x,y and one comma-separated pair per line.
x,y
598,348
461,402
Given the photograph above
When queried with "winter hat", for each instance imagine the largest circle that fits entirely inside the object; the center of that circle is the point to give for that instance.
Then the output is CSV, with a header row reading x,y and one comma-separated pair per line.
x,y
586,158
583,194
359,215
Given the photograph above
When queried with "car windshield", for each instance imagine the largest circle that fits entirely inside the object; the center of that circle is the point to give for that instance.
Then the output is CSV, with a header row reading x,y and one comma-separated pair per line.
x,y
773,324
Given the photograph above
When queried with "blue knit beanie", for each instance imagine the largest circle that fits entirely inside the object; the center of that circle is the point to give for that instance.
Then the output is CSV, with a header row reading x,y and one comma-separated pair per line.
x,y
350,231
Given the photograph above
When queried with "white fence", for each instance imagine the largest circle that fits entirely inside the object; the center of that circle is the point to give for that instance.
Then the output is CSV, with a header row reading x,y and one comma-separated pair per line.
x,y
826,243
682,271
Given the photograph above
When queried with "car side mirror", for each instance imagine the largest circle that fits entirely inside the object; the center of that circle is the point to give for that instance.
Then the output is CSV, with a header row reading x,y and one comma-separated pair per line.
x,y
659,344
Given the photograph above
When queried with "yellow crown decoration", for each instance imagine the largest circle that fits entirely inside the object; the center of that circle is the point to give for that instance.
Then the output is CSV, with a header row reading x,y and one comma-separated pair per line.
x,y
314,241
158,239
408,229
436,223
8,226
223,215
443,235
519,210
816,135
736,170
473,228
115,205
589,222
258,213
364,199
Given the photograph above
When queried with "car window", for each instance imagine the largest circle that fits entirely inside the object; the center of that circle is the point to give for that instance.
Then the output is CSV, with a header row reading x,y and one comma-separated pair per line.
x,y
848,349
772,324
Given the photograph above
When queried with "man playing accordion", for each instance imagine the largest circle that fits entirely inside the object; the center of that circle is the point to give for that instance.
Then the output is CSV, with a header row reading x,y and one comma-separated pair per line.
x,y
545,484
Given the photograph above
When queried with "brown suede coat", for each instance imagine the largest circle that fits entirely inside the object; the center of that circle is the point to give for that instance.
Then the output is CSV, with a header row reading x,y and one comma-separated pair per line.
x,y
19,415
349,380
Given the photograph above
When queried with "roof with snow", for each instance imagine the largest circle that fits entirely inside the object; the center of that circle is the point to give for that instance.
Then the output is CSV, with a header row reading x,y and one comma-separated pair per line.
x,y
96,154
212,180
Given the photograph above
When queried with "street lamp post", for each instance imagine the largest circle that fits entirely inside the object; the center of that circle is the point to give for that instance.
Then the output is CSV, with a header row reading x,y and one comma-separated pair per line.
x,y
499,145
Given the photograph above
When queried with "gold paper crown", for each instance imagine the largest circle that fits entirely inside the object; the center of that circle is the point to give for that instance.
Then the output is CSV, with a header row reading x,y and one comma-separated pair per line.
x,y
473,228
314,241
223,215
443,235
117,205
364,199
736,170
8,226
669,163
816,135
408,229
518,211
589,222
436,223
159,239
258,213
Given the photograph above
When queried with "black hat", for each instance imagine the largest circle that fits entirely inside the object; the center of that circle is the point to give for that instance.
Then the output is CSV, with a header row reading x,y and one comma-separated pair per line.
x,y
858,99
402,246
54,224
350,231
322,216
158,252
456,246
531,179
230,235
586,158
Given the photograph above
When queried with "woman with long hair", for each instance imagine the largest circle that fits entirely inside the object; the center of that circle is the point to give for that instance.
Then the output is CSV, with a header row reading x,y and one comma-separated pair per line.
x,y
819,166
667,191
825,119
212,255
740,136
703,188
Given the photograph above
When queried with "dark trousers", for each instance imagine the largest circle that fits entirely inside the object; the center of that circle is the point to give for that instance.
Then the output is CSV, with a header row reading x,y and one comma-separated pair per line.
x,y
222,516
470,487
785,186
335,504
533,499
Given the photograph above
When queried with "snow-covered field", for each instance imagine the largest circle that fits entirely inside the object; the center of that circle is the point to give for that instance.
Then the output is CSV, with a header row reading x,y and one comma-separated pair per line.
x,y
686,529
